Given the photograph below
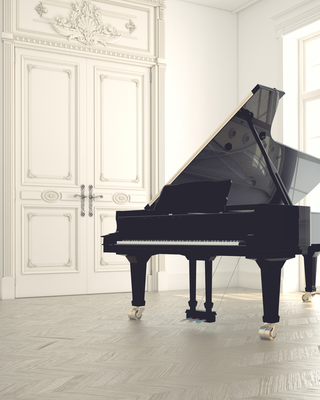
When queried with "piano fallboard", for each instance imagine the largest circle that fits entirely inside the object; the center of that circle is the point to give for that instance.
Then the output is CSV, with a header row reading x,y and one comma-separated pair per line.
x,y
257,229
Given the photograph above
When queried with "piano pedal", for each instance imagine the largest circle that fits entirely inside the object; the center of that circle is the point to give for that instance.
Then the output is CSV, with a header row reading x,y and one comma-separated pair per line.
x,y
307,296
136,312
268,331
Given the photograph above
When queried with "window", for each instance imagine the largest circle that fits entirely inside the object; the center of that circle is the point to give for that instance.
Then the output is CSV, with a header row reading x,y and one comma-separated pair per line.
x,y
309,104
301,109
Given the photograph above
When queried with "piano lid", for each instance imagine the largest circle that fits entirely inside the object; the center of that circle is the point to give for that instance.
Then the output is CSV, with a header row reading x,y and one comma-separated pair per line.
x,y
232,153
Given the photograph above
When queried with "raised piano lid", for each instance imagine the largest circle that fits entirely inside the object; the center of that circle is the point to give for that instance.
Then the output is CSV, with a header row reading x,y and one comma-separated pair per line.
x,y
232,153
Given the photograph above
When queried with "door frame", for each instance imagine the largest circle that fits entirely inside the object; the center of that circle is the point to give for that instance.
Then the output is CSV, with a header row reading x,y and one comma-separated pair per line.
x,y
9,41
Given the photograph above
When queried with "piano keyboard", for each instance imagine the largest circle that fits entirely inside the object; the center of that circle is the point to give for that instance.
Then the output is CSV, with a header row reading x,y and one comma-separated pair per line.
x,y
180,242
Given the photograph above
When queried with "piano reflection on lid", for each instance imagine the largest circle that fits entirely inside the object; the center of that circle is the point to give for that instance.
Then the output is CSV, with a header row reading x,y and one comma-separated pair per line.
x,y
234,197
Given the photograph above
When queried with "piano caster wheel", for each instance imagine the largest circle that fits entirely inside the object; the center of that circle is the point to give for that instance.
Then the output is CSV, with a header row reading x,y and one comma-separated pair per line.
x,y
136,312
268,331
307,296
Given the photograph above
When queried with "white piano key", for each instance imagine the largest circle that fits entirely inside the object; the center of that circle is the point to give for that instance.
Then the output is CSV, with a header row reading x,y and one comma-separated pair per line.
x,y
180,242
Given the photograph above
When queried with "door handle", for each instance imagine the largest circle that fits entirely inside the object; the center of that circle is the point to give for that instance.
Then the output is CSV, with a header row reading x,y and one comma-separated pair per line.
x,y
91,197
83,197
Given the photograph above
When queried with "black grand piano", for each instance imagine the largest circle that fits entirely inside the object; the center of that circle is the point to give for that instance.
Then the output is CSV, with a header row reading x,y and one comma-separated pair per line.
x,y
234,197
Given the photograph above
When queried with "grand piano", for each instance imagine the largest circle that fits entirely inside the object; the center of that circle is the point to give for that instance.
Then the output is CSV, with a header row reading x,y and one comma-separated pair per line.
x,y
234,197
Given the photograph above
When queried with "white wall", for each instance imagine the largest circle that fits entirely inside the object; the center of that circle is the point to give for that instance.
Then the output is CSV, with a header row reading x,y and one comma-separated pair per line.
x,y
201,76
258,52
1,166
201,90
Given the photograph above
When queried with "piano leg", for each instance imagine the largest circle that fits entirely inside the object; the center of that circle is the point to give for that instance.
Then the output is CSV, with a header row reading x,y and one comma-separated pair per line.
x,y
208,279
270,281
138,269
310,269
192,285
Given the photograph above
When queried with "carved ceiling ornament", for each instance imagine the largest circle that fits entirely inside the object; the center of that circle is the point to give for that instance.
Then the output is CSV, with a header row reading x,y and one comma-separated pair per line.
x,y
85,25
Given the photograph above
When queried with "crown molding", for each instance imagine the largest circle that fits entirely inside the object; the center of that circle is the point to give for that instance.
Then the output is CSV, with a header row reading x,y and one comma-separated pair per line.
x,y
296,17
83,49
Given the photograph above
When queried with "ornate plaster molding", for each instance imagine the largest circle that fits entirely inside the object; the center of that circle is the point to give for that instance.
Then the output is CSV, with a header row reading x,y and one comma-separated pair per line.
x,y
85,25
65,46
103,216
67,71
155,2
51,196
104,179
31,66
69,216
31,175
32,265
41,9
68,177
30,215
131,26
121,198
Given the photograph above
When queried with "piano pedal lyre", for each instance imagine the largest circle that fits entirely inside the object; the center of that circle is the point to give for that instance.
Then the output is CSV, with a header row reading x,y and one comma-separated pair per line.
x,y
307,296
136,312
268,331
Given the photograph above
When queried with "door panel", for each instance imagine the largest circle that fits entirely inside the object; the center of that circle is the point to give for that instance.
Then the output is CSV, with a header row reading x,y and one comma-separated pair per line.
x,y
120,125
50,256
119,136
50,240
50,142
48,131
51,136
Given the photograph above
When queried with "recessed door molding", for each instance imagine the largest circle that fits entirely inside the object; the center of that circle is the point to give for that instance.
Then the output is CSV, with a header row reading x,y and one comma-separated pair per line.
x,y
130,103
63,86
64,229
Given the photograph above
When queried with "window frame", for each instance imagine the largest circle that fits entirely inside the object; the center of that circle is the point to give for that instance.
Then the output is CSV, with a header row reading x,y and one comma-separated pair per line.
x,y
304,95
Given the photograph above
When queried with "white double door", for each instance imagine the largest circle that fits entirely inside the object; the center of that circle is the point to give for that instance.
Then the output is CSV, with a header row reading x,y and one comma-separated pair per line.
x,y
81,124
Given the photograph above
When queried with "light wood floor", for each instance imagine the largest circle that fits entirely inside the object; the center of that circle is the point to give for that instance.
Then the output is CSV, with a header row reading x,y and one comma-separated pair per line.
x,y
85,348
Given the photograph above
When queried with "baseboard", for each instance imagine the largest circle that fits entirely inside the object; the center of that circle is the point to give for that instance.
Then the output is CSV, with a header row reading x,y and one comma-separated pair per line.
x,y
7,287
